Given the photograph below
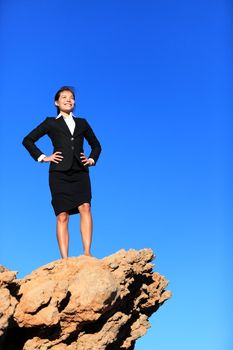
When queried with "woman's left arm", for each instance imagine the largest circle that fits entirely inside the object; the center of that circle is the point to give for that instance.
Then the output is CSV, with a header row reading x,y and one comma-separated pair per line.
x,y
93,142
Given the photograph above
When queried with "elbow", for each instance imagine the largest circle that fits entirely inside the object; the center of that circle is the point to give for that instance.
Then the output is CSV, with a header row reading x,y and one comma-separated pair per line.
x,y
96,147
25,141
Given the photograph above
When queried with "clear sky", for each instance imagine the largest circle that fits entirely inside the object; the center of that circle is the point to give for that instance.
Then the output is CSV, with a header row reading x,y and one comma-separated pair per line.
x,y
154,80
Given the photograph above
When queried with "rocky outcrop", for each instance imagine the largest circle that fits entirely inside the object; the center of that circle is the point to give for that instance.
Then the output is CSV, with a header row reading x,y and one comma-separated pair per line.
x,y
7,301
81,303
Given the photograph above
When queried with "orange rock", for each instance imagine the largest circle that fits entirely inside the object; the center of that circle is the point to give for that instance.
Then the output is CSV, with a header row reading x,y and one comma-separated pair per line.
x,y
83,303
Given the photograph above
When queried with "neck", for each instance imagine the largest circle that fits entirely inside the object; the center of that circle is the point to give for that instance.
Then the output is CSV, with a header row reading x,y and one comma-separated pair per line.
x,y
64,114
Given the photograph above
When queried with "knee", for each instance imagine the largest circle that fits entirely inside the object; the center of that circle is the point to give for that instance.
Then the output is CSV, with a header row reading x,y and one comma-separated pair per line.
x,y
84,208
63,218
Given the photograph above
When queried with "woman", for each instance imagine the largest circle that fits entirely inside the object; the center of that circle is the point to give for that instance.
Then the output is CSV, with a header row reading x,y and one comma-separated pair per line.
x,y
69,167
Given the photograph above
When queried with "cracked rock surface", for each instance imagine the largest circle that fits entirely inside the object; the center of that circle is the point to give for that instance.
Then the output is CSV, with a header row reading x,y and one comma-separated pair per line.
x,y
81,303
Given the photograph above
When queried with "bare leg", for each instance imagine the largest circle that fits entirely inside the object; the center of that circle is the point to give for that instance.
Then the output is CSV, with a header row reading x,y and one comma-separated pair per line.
x,y
63,234
86,227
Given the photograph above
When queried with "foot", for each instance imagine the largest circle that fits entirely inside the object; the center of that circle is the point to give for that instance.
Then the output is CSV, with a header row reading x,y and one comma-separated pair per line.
x,y
87,253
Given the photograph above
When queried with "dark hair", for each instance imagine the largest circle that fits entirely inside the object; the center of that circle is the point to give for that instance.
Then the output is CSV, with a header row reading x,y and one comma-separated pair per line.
x,y
58,93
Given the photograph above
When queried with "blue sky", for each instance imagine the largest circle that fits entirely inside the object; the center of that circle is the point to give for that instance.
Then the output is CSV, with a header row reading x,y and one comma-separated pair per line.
x,y
153,78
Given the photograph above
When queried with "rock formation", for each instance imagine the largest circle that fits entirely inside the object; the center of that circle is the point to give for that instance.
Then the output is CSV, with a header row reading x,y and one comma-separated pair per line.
x,y
81,303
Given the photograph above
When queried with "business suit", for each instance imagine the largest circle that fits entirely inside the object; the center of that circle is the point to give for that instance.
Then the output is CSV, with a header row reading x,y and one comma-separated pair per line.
x,y
69,179
70,145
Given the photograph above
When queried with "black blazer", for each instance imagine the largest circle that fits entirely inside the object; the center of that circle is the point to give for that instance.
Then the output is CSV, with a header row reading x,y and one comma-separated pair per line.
x,y
63,141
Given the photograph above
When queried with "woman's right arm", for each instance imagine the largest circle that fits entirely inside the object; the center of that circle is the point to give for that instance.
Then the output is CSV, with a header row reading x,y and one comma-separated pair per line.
x,y
35,152
33,136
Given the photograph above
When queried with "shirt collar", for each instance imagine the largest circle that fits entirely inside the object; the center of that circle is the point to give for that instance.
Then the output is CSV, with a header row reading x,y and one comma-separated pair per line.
x,y
61,115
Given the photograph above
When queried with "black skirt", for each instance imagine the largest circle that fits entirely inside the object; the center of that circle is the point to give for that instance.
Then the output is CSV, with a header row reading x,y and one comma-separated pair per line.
x,y
69,189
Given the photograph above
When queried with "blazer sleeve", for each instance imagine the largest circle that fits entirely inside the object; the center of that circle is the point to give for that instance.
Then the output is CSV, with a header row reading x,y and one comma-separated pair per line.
x,y
92,141
29,140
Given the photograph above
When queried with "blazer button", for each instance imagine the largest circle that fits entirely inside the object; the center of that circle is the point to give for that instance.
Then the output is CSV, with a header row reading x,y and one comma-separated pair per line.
x,y
71,139
72,147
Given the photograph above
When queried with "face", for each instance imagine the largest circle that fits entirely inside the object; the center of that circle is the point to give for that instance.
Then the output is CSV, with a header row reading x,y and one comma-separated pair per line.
x,y
66,101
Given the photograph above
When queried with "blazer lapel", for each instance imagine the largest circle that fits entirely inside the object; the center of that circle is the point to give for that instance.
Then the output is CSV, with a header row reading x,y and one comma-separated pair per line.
x,y
78,127
63,126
